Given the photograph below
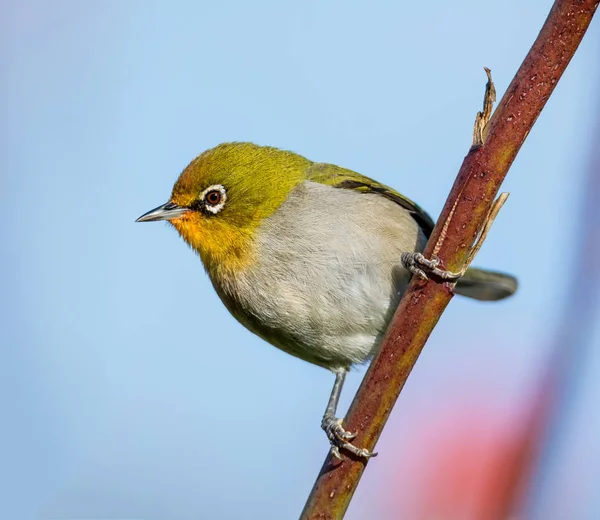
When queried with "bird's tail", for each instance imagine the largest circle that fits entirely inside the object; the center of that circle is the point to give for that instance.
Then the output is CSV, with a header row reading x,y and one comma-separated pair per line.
x,y
484,285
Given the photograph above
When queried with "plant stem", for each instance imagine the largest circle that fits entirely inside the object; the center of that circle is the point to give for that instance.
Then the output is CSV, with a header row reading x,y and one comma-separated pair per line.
x,y
458,227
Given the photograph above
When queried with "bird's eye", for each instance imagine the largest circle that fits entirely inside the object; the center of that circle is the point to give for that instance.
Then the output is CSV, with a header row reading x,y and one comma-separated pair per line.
x,y
213,199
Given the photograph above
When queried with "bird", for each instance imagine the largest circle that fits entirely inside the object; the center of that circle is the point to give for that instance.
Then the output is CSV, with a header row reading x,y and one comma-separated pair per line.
x,y
311,257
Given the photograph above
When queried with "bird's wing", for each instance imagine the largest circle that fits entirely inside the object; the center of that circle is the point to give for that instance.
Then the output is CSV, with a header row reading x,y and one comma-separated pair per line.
x,y
338,177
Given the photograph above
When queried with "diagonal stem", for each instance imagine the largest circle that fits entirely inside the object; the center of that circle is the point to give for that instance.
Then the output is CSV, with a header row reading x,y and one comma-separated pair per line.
x,y
467,206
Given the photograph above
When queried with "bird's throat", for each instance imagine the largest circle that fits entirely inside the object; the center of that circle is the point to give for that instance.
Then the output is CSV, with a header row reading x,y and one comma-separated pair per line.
x,y
225,250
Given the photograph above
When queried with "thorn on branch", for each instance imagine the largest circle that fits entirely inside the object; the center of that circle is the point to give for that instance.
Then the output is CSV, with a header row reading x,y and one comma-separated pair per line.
x,y
411,261
482,118
487,224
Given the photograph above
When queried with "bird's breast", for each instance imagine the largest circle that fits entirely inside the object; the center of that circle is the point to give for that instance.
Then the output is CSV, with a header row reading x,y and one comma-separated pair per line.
x,y
327,275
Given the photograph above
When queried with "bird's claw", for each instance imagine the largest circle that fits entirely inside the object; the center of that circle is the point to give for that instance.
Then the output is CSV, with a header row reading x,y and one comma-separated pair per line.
x,y
422,267
339,439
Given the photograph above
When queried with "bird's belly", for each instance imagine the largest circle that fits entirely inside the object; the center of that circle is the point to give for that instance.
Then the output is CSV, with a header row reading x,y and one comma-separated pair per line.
x,y
335,321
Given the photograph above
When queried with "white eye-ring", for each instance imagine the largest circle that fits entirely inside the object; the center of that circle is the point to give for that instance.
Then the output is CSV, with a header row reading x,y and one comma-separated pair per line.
x,y
214,198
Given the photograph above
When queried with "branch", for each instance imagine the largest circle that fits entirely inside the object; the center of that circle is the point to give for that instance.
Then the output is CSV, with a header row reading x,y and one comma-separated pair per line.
x,y
458,226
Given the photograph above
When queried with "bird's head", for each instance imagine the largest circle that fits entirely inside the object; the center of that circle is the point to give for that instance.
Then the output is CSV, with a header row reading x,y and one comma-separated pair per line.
x,y
223,196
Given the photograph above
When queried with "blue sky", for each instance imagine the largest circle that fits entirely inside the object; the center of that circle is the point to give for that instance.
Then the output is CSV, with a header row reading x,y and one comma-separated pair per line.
x,y
127,389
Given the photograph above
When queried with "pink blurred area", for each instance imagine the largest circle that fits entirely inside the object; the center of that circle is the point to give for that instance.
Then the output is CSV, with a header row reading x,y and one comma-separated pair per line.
x,y
462,463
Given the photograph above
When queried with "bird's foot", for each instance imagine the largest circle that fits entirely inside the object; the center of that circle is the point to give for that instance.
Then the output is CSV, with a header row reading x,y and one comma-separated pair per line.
x,y
420,266
340,439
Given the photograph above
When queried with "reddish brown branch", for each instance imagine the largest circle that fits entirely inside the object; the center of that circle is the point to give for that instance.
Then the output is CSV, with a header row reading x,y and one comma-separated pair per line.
x,y
466,208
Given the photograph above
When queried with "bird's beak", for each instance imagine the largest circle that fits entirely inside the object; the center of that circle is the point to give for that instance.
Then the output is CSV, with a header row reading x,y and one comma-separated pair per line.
x,y
167,211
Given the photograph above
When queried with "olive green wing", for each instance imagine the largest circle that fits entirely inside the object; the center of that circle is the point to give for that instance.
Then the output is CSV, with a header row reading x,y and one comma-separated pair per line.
x,y
332,175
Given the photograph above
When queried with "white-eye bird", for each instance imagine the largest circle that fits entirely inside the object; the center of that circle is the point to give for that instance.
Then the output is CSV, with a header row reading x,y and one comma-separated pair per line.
x,y
308,256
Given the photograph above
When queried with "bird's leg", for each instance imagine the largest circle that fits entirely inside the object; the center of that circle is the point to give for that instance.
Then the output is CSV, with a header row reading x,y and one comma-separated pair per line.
x,y
420,266
338,437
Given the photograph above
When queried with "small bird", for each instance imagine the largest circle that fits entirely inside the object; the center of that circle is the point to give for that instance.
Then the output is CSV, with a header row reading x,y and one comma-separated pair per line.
x,y
311,257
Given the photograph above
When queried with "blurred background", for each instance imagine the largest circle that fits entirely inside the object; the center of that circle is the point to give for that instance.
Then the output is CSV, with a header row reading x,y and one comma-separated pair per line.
x,y
126,388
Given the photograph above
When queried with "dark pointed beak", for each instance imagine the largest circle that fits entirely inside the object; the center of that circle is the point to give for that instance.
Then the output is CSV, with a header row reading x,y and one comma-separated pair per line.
x,y
167,211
